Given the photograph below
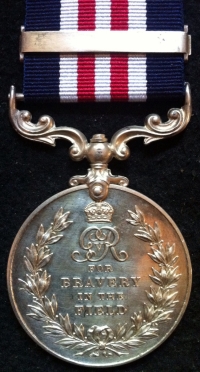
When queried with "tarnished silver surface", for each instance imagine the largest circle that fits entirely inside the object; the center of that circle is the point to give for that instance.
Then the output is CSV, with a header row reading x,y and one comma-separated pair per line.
x,y
105,41
99,284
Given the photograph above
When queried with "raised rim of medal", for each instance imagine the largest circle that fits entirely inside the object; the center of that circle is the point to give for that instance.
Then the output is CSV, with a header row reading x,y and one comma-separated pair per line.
x,y
68,359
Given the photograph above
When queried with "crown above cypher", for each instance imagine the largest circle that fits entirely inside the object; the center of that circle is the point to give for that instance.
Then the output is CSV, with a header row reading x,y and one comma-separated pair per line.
x,y
99,212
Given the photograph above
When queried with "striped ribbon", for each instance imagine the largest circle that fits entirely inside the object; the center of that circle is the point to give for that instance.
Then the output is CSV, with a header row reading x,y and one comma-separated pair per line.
x,y
81,77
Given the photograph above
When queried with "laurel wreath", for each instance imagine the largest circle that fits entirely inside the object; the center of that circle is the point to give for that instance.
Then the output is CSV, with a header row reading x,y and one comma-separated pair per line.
x,y
102,340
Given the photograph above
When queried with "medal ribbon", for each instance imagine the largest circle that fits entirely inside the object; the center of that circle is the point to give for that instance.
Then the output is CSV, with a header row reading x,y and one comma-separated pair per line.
x,y
107,77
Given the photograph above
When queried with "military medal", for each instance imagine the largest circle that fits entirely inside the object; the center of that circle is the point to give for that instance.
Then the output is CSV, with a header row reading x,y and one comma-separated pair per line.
x,y
99,275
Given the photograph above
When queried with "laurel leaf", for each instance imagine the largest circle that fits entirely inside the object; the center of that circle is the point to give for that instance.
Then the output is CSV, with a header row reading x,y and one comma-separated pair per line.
x,y
64,217
172,271
54,239
157,232
32,254
63,226
143,329
164,316
170,250
119,345
59,222
159,274
46,236
58,214
53,329
121,330
143,236
54,325
45,260
176,276
44,282
171,286
40,234
154,258
137,320
173,282
48,307
130,332
28,265
171,304
133,215
151,297
67,324
35,316
158,255
149,335
31,282
140,214
41,253
169,299
174,260
155,296
79,331
87,350
25,287
148,310
132,222
68,342
146,332
135,342
38,311
151,233
54,304
156,280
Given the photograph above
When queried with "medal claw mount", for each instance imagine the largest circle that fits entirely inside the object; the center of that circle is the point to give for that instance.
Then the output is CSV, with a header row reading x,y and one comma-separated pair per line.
x,y
99,152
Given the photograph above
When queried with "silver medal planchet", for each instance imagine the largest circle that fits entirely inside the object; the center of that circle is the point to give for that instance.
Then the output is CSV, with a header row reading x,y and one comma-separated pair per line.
x,y
99,284
99,275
